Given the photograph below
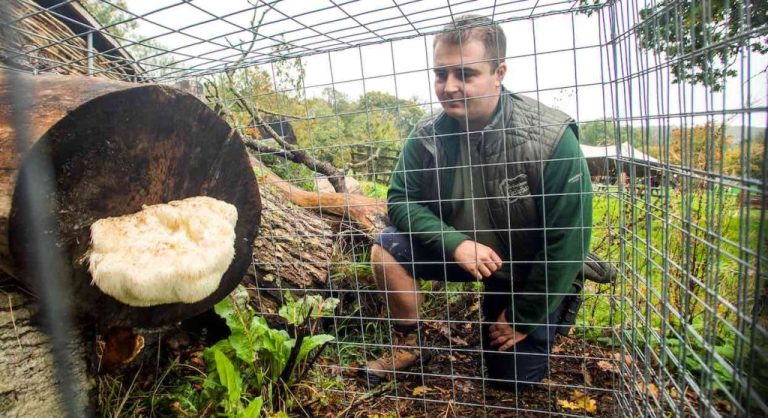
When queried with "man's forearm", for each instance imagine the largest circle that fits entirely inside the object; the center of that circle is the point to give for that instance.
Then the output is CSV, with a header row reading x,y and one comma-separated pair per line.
x,y
423,225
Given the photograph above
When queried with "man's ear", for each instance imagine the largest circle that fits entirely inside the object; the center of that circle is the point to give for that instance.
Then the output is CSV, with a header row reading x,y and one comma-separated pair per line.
x,y
501,71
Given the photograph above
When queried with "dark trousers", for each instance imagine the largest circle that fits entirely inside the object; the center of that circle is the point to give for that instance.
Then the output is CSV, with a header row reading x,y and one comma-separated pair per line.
x,y
516,369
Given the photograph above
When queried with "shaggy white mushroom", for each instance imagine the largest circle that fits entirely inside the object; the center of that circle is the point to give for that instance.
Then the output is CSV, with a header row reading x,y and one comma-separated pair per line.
x,y
167,253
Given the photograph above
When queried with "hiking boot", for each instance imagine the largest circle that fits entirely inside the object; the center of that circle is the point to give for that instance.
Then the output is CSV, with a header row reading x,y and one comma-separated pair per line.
x,y
570,307
404,354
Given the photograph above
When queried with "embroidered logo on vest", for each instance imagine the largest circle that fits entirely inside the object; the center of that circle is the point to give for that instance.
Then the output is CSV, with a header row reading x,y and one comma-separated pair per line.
x,y
515,188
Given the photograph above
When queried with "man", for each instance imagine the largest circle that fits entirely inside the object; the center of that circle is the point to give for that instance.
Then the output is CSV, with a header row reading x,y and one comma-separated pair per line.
x,y
493,188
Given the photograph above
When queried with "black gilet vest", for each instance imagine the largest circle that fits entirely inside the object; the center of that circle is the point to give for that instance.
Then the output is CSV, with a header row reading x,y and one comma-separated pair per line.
x,y
517,143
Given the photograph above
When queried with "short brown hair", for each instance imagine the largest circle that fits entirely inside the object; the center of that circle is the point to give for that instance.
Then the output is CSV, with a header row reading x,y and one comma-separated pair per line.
x,y
469,27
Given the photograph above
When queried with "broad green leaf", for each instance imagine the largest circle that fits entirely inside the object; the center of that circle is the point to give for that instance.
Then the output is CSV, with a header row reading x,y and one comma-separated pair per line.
x,y
243,346
312,342
296,311
326,307
728,351
224,308
259,326
254,408
293,311
231,314
229,377
208,354
234,309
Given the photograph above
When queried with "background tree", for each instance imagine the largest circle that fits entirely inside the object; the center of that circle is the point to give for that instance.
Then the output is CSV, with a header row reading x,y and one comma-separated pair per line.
x,y
597,133
111,17
149,53
701,39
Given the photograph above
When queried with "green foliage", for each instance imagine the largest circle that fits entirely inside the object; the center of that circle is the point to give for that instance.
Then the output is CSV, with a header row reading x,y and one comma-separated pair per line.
x,y
684,31
314,306
149,53
374,189
111,17
701,39
250,366
699,232
376,118
597,132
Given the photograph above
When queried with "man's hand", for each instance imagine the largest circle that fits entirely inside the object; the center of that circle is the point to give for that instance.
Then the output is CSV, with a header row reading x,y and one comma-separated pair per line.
x,y
478,259
502,335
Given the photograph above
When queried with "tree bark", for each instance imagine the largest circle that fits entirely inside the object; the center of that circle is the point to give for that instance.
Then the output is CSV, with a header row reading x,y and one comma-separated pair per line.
x,y
294,250
29,387
369,214
110,148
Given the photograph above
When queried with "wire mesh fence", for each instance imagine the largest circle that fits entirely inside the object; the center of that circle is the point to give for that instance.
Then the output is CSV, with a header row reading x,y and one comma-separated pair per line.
x,y
667,100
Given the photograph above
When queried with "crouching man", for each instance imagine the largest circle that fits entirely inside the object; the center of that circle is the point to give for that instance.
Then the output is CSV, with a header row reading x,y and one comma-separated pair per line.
x,y
493,188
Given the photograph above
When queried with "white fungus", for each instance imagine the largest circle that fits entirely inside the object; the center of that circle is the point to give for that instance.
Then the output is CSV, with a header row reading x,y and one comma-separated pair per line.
x,y
166,253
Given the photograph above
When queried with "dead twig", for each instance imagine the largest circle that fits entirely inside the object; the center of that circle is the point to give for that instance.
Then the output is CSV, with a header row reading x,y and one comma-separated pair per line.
x,y
585,373
335,176
374,156
284,115
13,318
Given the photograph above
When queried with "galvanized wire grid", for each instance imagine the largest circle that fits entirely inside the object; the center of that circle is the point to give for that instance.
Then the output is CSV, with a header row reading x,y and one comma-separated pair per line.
x,y
686,284
676,326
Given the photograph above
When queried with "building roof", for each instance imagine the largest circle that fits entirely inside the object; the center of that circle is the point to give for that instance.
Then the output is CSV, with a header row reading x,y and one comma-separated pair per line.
x,y
52,36
625,152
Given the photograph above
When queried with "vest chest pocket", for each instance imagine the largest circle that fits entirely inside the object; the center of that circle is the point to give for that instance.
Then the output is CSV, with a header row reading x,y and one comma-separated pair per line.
x,y
513,211
513,201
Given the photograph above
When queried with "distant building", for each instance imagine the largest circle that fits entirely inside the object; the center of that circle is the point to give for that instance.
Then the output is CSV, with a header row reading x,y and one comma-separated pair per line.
x,y
605,161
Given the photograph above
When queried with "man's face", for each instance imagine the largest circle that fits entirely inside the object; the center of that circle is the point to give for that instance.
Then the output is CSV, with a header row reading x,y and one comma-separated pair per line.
x,y
466,86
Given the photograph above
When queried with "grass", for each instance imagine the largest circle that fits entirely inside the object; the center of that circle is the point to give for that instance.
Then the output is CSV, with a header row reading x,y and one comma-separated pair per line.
x,y
685,284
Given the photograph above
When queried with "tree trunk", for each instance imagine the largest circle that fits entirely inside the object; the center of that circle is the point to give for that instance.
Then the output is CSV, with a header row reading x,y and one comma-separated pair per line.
x,y
294,250
29,387
369,214
110,147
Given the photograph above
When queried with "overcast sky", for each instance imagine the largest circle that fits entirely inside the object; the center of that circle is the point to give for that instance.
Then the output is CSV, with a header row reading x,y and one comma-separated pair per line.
x,y
574,80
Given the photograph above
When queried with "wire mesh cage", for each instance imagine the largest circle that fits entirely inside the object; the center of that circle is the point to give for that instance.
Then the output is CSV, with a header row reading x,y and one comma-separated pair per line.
x,y
651,233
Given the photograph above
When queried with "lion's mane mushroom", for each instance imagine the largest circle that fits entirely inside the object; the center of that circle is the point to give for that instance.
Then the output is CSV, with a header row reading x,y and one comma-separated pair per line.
x,y
166,253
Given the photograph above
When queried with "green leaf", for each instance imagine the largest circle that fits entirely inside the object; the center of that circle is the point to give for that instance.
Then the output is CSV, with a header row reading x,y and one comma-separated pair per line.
x,y
229,377
244,349
728,351
325,307
293,311
235,316
259,326
296,311
254,408
312,342
209,353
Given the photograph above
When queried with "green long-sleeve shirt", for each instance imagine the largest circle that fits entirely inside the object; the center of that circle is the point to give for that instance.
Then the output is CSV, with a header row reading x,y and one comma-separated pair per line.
x,y
565,210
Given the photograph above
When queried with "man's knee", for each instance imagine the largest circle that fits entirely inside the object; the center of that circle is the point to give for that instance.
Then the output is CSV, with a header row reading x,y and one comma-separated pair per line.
x,y
378,259
515,371
385,266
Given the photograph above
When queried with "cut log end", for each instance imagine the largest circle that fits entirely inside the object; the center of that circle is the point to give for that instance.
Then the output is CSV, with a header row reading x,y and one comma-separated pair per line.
x,y
110,156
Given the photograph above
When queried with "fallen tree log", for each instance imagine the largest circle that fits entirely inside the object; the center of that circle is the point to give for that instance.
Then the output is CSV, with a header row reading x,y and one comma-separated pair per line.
x,y
369,214
301,248
293,252
31,386
111,148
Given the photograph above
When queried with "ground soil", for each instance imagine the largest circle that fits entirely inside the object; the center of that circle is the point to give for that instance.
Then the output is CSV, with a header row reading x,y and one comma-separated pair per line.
x,y
452,385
